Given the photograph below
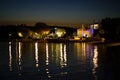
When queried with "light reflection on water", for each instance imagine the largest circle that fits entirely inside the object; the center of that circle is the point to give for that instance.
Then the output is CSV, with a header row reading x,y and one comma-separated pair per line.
x,y
95,61
52,61
19,57
47,55
10,57
36,54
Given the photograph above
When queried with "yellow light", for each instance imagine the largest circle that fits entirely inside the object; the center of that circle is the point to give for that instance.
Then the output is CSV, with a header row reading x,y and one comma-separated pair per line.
x,y
76,38
45,32
103,39
20,34
47,55
95,61
59,34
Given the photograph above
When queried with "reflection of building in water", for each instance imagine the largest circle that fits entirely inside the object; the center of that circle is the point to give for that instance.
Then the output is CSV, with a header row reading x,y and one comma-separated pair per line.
x,y
19,56
63,57
81,51
36,55
56,53
47,55
95,61
47,61
10,57
84,49
54,50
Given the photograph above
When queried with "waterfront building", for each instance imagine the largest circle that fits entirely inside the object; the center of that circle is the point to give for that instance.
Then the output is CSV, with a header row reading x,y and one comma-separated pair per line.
x,y
83,32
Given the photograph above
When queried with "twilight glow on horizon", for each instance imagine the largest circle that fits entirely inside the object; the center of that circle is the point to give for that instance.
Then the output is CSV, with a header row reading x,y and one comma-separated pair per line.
x,y
64,12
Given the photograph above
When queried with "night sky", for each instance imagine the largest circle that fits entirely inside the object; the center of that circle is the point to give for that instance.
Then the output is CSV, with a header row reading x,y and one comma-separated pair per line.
x,y
64,12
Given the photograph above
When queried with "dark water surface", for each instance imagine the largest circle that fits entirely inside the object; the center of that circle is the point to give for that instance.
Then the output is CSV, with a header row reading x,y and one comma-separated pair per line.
x,y
58,61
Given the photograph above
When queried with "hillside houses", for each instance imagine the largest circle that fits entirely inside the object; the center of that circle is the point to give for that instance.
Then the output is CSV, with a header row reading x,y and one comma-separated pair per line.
x,y
43,31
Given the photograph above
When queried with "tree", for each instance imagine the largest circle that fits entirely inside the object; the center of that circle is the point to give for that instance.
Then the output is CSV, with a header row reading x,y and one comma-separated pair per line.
x,y
111,27
41,25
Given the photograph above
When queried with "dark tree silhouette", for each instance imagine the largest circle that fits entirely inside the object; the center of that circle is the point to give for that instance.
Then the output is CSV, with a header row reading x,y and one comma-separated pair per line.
x,y
41,25
111,27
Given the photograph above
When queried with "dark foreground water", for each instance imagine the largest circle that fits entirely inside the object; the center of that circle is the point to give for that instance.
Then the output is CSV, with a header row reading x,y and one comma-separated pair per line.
x,y
58,61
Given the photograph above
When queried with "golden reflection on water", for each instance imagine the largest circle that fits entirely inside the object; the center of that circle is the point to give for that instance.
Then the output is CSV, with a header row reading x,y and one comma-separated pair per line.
x,y
47,55
36,55
47,61
63,56
83,49
95,61
10,57
56,54
19,56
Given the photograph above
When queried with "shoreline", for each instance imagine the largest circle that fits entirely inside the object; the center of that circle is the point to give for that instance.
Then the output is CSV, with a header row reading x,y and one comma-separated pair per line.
x,y
94,40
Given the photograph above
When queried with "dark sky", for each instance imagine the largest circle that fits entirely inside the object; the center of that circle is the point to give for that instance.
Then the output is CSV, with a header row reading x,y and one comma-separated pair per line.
x,y
58,11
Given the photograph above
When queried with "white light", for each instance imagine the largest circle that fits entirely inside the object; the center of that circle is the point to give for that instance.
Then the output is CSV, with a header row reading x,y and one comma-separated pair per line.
x,y
10,57
95,61
63,56
10,34
95,26
19,56
36,54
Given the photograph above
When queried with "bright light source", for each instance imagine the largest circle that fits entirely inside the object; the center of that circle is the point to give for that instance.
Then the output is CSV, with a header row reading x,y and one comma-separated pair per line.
x,y
59,34
10,34
76,38
20,34
95,26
